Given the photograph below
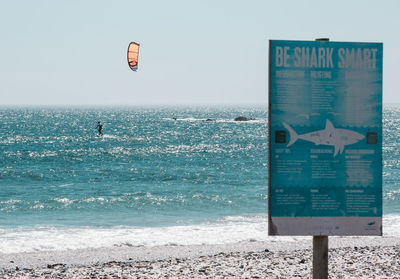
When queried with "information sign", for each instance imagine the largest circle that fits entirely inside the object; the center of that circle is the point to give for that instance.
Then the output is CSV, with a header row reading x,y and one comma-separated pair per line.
x,y
325,138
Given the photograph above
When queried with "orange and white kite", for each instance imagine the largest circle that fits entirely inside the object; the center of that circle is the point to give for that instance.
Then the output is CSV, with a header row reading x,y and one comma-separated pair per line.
x,y
133,55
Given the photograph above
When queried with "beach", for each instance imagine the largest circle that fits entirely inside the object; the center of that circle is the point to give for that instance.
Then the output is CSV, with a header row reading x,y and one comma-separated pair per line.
x,y
349,257
159,197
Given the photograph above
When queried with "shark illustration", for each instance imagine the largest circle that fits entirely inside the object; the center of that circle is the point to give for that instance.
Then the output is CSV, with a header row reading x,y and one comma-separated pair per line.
x,y
329,136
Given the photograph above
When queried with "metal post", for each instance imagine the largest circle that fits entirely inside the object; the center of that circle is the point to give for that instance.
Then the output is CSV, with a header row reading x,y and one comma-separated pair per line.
x,y
320,257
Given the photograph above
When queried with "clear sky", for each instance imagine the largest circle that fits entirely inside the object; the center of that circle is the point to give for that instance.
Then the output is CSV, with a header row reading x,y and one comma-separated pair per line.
x,y
192,52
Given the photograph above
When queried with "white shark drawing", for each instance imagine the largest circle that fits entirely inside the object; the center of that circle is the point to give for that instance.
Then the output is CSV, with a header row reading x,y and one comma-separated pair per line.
x,y
329,136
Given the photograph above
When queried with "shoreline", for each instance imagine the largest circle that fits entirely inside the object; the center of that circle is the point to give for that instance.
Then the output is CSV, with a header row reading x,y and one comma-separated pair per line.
x,y
188,261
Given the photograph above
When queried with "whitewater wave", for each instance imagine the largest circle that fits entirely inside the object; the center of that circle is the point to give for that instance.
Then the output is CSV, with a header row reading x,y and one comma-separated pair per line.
x,y
231,229
227,230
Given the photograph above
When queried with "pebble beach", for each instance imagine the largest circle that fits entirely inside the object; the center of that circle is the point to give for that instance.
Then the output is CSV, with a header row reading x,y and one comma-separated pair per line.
x,y
349,257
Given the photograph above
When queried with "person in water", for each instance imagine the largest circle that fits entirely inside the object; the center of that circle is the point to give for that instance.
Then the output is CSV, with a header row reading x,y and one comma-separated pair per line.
x,y
99,128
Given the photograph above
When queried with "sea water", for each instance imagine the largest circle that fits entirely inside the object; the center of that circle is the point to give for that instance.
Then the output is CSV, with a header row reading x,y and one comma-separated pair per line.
x,y
158,176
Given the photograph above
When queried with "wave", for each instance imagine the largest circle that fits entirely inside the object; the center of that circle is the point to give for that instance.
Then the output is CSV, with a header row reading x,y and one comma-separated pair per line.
x,y
211,120
231,229
106,136
226,230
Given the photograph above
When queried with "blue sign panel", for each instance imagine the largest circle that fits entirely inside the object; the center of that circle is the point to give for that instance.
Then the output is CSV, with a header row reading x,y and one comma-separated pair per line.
x,y
325,132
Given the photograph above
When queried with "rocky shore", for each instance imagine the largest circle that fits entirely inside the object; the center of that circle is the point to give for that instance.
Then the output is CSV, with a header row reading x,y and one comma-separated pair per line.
x,y
354,258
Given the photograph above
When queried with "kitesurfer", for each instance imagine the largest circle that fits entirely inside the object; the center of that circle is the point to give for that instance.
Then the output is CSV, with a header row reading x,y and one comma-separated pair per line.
x,y
99,128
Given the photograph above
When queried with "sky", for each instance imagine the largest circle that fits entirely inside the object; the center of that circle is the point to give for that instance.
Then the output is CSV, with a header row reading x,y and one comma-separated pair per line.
x,y
192,52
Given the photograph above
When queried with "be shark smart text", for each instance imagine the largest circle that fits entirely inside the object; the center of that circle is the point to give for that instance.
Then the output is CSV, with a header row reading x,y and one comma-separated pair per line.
x,y
325,57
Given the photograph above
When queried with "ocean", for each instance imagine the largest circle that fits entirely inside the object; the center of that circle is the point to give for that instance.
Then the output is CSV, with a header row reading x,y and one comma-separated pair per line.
x,y
158,176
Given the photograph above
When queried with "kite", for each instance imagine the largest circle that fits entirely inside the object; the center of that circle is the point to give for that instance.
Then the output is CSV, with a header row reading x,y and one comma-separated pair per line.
x,y
133,54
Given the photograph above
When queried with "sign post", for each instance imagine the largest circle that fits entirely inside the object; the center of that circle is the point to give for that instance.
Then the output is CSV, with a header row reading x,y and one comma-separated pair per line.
x,y
320,243
325,141
320,257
